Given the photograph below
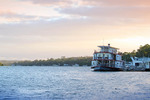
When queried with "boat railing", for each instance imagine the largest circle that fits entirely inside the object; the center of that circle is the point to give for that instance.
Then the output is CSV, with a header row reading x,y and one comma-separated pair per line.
x,y
105,58
107,65
105,51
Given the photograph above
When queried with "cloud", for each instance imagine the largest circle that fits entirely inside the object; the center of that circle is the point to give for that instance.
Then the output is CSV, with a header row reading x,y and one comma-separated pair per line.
x,y
12,15
16,10
51,2
103,10
116,2
108,11
111,15
92,2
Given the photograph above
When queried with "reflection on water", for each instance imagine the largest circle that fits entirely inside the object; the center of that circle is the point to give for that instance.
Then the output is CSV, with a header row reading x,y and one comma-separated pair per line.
x,y
72,83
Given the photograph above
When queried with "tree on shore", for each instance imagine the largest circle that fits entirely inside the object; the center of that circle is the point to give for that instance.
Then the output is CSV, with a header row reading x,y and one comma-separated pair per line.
x,y
1,64
143,51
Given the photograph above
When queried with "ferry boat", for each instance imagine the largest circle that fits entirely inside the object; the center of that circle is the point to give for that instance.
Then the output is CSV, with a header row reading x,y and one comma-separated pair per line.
x,y
107,59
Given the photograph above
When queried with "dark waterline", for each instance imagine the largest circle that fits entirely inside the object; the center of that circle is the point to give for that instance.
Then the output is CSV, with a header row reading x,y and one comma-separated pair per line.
x,y
72,83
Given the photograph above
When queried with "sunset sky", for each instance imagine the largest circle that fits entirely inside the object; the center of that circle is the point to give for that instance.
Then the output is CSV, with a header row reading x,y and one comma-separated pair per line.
x,y
41,29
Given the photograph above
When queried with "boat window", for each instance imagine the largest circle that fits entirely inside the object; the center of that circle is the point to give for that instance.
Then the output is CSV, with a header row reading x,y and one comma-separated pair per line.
x,y
101,55
93,63
137,64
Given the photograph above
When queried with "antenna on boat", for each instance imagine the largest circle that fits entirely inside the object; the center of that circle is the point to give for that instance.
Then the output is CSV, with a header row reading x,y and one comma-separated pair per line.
x,y
103,41
103,51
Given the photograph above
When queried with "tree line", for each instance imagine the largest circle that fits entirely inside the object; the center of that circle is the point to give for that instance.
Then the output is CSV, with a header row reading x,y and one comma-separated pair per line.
x,y
143,51
81,61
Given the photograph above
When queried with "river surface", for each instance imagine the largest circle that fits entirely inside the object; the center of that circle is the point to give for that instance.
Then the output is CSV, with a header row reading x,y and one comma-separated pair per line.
x,y
71,83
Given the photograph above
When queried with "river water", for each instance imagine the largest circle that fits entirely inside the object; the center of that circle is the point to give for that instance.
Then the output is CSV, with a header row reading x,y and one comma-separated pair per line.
x,y
71,83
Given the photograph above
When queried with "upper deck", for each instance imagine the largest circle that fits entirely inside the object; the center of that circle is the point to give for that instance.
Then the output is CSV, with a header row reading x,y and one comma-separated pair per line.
x,y
108,49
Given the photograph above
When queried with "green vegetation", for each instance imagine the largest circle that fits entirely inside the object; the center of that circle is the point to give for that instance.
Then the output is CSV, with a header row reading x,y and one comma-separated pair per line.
x,y
8,62
143,51
1,64
60,62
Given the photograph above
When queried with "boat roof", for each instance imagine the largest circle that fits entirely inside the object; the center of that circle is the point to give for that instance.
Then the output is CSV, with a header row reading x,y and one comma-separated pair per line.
x,y
142,59
108,47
